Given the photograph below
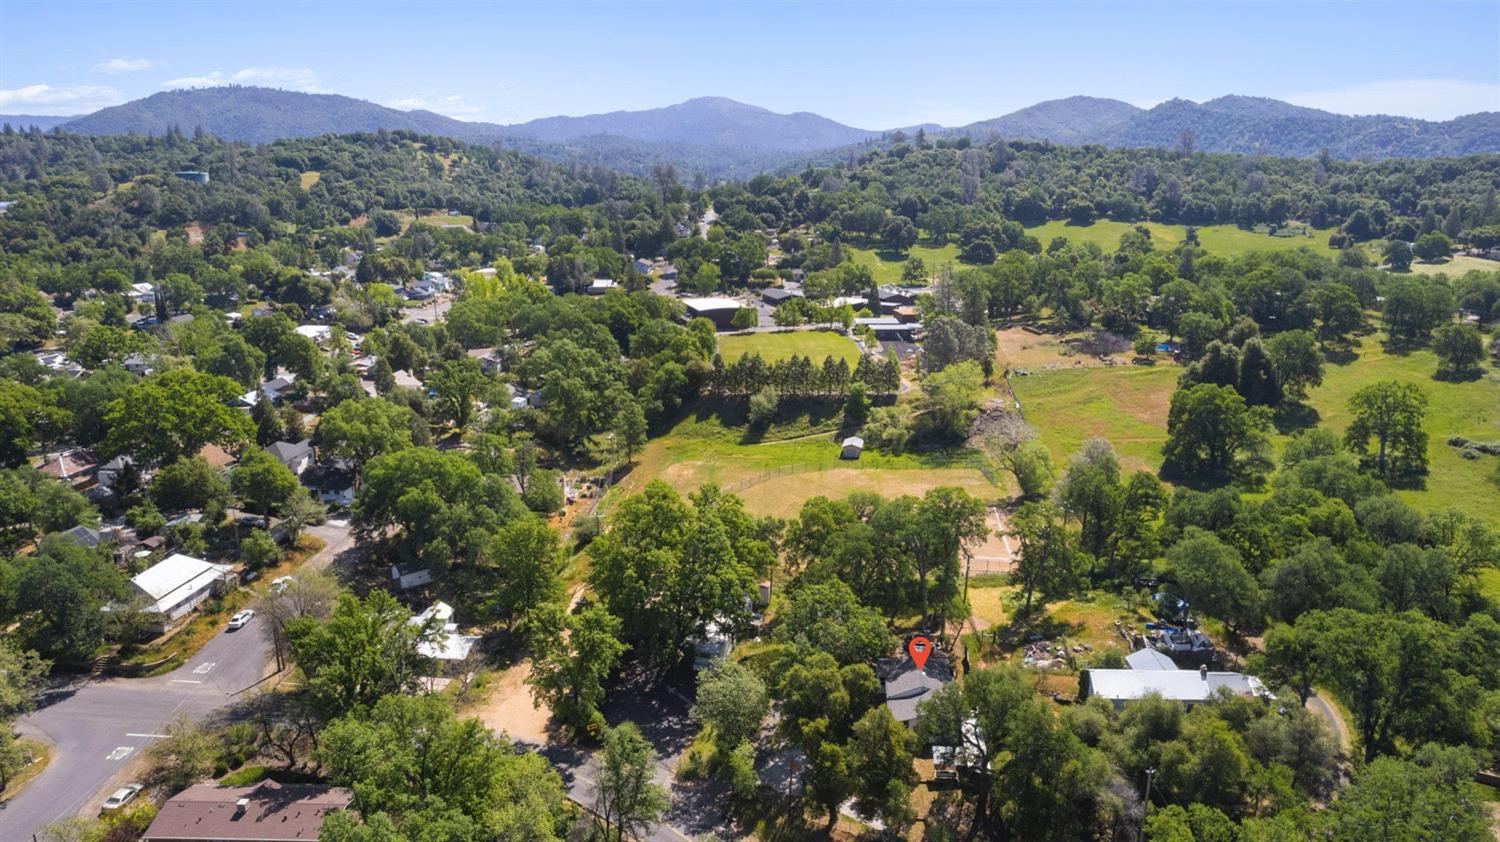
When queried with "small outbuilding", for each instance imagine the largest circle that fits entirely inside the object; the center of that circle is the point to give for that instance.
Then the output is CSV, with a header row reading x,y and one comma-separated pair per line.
x,y
852,447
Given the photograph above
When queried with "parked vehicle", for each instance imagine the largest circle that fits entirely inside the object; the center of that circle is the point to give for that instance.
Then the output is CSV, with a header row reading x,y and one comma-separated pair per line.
x,y
239,620
120,797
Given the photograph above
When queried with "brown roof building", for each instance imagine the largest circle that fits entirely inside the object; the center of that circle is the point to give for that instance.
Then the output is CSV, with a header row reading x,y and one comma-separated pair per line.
x,y
263,812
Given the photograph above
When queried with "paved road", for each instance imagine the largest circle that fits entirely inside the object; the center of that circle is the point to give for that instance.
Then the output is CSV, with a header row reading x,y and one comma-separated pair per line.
x,y
431,312
97,725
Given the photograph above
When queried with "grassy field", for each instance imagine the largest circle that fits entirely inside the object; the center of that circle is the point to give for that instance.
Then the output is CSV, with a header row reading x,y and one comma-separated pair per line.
x,y
438,220
1471,409
310,178
1125,404
1455,267
797,459
1217,239
1128,406
816,344
886,265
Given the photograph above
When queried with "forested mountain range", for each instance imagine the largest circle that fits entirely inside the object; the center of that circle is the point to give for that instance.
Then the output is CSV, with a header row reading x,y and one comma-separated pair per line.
x,y
721,138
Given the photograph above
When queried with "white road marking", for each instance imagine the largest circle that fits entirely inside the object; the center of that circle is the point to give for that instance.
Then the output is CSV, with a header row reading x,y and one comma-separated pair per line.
x,y
120,753
185,681
203,668
150,736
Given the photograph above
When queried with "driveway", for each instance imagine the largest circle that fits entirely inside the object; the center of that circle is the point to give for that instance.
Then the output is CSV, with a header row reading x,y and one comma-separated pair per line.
x,y
96,726
660,710
431,312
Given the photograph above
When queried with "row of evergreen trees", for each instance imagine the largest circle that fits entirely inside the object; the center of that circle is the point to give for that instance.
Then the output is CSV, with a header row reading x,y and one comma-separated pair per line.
x,y
798,376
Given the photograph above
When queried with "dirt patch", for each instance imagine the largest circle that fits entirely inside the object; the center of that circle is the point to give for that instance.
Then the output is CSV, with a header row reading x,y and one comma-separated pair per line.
x,y
1019,348
783,496
999,551
510,708
194,234
359,221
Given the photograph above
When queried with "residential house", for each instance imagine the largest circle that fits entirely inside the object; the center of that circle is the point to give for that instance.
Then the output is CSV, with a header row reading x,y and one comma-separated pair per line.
x,y
1191,687
1149,659
296,456
77,468
195,176
855,301
668,272
57,362
319,334
421,290
273,390
445,644
143,292
176,585
490,359
601,286
217,457
332,484
906,686
642,265
85,536
264,812
114,470
715,643
137,364
406,380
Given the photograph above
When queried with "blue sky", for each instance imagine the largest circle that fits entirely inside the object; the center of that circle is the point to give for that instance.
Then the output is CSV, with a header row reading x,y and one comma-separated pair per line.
x,y
869,64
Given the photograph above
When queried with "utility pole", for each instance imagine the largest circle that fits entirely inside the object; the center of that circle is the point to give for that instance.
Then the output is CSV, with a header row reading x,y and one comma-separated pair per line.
x,y
1146,804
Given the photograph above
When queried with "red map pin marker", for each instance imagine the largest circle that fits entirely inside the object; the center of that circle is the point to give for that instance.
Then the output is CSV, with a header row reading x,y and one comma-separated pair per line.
x,y
919,648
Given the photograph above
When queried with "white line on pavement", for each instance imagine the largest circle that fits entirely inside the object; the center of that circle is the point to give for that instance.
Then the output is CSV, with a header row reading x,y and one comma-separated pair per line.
x,y
185,681
152,736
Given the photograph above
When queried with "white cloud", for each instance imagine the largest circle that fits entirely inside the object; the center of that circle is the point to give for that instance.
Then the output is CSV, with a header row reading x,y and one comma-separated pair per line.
x,y
289,78
122,65
452,105
1429,99
46,99
212,79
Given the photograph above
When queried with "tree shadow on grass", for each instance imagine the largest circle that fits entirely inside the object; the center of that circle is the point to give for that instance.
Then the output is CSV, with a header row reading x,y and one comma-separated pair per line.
x,y
1463,375
1340,356
1291,417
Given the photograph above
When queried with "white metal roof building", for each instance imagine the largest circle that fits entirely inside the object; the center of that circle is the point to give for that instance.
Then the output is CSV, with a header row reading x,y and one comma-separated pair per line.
x,y
176,584
1190,687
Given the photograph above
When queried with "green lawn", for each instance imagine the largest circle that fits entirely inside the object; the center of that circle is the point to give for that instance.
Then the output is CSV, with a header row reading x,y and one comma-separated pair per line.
x,y
1455,267
1126,405
886,265
816,344
1217,239
1470,409
796,459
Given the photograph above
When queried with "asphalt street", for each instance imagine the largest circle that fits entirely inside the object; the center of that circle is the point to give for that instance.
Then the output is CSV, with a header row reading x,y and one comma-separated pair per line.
x,y
96,726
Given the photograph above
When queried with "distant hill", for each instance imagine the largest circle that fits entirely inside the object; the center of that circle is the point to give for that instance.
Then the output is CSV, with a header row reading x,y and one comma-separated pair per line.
x,y
705,121
1252,124
721,138
1074,120
261,115
26,121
